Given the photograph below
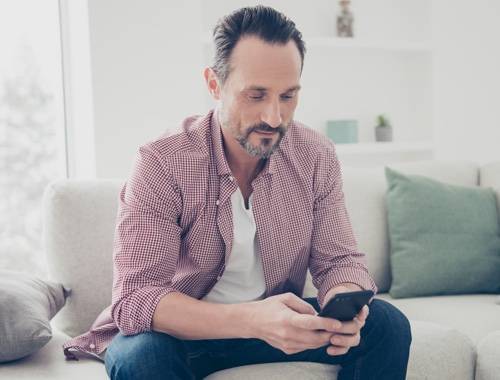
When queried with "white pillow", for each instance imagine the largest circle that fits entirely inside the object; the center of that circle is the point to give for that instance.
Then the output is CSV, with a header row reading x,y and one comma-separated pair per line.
x,y
27,304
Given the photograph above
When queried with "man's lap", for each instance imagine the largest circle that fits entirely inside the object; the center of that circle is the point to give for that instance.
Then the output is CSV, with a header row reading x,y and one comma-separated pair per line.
x,y
207,356
211,355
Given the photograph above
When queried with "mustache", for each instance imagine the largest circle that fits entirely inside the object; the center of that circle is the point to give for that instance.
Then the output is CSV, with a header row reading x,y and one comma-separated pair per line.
x,y
264,127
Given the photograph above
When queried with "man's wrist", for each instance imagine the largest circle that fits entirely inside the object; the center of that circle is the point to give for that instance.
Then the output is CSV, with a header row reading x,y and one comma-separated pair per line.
x,y
243,319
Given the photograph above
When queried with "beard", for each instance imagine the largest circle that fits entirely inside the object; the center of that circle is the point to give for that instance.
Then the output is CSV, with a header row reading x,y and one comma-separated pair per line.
x,y
265,147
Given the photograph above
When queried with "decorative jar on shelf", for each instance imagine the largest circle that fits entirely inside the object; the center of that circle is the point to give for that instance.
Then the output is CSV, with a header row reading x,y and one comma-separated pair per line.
x,y
345,20
342,131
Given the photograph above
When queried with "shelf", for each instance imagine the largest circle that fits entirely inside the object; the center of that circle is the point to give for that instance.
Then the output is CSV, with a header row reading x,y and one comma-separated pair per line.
x,y
376,154
353,43
383,147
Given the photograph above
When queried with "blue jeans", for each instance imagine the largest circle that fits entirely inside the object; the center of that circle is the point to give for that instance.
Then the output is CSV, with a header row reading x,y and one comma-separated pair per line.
x,y
382,353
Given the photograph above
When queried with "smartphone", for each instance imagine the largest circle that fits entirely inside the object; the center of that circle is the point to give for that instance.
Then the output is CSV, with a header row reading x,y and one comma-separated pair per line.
x,y
345,306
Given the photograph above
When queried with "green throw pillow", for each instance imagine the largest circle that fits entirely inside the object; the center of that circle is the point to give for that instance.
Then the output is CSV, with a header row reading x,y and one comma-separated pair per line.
x,y
444,239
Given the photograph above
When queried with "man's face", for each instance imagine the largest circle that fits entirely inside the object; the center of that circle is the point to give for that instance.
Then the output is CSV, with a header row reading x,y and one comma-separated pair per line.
x,y
259,97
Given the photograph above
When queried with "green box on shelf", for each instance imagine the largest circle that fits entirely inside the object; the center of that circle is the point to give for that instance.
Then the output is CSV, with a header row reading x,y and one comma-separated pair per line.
x,y
342,131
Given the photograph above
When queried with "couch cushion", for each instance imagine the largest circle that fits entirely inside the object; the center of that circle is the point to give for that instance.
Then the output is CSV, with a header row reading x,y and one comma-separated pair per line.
x,y
439,353
431,344
49,363
278,371
475,315
488,365
489,176
364,190
444,239
79,222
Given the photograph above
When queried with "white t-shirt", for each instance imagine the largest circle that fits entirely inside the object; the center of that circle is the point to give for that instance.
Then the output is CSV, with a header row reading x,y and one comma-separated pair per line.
x,y
243,278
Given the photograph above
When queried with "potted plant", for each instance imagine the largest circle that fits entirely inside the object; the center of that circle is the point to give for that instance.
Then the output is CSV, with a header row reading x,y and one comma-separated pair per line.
x,y
383,130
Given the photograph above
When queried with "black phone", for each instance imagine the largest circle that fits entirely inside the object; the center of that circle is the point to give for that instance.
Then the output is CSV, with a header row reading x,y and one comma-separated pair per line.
x,y
345,306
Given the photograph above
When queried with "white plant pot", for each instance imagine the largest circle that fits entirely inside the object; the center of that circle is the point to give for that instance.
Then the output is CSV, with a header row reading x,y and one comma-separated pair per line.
x,y
383,134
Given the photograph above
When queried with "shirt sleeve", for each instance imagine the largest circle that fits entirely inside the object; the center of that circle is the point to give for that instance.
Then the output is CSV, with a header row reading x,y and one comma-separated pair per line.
x,y
146,242
334,258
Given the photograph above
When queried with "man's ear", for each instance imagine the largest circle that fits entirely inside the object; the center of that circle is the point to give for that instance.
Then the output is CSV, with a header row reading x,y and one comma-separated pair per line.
x,y
212,82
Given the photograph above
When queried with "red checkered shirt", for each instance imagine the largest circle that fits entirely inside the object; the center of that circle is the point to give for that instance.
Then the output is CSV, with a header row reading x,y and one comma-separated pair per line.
x,y
174,226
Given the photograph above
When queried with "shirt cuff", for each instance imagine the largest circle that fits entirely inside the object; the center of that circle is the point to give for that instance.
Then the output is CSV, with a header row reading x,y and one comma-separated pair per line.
x,y
137,309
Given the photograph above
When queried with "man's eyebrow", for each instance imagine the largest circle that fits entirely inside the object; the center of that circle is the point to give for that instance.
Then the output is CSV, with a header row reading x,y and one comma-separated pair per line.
x,y
263,89
294,88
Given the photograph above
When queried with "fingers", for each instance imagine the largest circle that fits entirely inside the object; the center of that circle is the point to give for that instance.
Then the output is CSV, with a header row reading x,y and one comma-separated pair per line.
x,y
298,304
345,340
334,350
354,326
351,327
348,335
363,314
312,322
309,339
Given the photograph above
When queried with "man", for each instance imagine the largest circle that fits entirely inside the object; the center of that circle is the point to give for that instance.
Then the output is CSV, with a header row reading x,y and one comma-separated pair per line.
x,y
219,223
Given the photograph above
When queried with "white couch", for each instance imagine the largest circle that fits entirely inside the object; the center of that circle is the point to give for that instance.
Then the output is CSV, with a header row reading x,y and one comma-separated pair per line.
x,y
454,337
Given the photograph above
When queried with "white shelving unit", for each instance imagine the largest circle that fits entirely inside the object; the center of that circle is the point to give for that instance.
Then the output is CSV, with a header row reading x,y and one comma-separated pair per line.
x,y
383,153
350,43
354,43
383,147
385,69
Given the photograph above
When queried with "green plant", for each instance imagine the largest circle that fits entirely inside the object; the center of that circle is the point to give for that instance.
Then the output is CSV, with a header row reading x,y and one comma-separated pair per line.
x,y
383,121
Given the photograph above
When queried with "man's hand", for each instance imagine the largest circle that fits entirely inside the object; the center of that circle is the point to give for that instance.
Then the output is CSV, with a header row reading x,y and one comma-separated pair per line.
x,y
348,335
290,324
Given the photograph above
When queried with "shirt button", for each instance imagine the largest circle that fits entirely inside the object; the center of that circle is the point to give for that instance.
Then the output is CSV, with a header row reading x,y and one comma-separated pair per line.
x,y
217,202
92,346
231,178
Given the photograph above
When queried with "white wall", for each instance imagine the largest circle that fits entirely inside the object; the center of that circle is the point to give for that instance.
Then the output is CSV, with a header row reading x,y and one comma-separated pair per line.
x,y
374,20
359,83
147,59
147,74
467,79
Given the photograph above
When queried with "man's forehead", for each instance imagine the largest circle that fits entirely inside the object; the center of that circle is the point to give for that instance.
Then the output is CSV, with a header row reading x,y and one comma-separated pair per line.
x,y
262,88
259,63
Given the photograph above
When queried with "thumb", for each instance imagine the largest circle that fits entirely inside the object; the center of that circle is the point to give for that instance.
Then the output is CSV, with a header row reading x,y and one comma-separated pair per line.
x,y
298,304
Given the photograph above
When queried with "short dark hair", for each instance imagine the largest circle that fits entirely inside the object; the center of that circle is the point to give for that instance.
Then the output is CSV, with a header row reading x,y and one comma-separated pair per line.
x,y
264,22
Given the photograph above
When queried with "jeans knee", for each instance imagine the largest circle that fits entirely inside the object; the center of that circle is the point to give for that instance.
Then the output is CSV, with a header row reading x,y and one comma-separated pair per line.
x,y
147,355
393,324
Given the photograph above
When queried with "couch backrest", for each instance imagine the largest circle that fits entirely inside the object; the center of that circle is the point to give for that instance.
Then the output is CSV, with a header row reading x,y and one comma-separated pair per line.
x,y
364,191
489,176
78,228
80,216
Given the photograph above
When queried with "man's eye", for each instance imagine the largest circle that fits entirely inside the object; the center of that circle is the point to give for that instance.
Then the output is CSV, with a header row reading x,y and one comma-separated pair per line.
x,y
287,97
256,97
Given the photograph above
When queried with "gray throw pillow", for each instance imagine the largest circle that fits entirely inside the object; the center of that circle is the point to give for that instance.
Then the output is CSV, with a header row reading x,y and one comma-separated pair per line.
x,y
27,304
444,239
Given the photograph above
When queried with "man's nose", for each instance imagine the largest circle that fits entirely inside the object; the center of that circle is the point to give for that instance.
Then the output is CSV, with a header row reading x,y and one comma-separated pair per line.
x,y
272,114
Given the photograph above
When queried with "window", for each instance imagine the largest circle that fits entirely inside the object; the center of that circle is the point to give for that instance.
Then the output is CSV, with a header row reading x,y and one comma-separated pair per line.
x,y
32,133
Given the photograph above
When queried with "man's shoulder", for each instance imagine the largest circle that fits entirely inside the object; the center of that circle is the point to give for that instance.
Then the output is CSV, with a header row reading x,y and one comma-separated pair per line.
x,y
188,141
304,139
